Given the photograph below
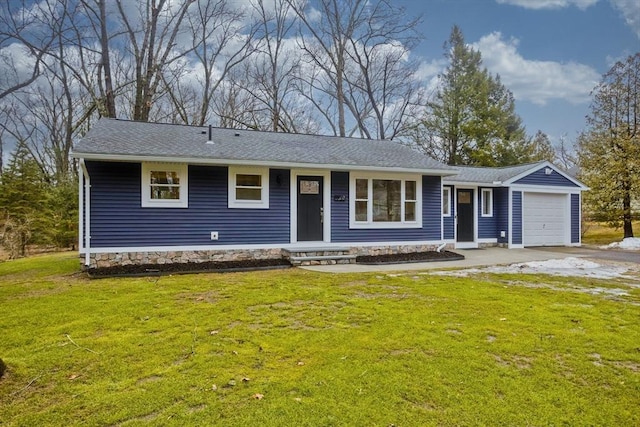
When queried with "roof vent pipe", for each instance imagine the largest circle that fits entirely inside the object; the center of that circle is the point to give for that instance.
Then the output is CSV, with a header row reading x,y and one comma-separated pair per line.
x,y
210,140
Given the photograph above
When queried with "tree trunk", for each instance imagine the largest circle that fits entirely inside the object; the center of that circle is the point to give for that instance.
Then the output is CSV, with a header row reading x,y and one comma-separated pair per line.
x,y
109,101
627,224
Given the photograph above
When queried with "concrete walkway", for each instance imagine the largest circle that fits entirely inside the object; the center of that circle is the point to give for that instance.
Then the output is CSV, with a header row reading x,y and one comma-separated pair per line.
x,y
473,258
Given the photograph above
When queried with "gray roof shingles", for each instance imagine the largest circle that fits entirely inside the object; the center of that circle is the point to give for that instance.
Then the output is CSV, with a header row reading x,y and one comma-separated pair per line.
x,y
485,175
129,139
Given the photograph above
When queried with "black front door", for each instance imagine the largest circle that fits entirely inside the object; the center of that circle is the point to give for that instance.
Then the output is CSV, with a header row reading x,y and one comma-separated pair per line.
x,y
465,215
310,208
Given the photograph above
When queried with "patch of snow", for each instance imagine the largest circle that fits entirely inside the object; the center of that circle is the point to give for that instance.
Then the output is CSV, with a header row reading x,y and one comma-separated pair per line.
x,y
558,264
629,243
570,266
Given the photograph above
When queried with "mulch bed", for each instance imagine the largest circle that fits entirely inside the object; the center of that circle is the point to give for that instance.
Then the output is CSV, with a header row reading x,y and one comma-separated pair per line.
x,y
428,256
258,264
192,267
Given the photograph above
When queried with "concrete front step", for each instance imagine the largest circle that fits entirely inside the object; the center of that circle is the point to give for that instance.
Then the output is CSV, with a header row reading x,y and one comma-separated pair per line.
x,y
319,256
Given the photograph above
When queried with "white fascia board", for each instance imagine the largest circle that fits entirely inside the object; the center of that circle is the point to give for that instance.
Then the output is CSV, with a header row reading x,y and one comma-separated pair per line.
x,y
472,184
271,164
542,165
546,189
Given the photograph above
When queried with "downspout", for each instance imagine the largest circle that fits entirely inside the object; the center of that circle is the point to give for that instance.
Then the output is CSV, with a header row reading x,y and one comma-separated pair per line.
x,y
85,210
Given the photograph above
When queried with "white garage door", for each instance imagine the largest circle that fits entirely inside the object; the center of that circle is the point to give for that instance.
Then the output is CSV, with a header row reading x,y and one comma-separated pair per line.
x,y
544,219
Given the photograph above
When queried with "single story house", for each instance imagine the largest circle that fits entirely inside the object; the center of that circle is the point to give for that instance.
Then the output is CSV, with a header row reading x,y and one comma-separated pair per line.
x,y
161,193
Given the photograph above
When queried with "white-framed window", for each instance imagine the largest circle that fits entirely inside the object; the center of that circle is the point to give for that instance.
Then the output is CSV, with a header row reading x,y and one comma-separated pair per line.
x,y
385,201
164,185
487,202
248,187
446,201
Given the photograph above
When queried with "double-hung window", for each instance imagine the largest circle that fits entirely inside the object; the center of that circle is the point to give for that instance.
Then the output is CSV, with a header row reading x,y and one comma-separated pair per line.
x,y
487,202
385,202
248,187
164,185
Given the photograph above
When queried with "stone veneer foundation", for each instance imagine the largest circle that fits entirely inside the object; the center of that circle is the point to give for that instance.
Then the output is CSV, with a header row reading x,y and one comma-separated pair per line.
x,y
107,260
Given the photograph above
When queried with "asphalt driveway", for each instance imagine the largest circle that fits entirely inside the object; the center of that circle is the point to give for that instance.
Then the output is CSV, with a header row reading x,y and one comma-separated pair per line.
x,y
596,253
490,256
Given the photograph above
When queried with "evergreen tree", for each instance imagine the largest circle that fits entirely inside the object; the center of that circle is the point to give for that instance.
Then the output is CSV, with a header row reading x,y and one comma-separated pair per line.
x,y
23,199
472,119
538,148
62,218
609,149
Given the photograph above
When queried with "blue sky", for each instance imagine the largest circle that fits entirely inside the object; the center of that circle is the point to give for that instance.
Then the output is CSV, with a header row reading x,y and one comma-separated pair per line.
x,y
549,53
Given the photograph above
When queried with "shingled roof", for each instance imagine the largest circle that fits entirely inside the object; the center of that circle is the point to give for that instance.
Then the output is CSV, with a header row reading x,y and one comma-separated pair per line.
x,y
486,175
113,139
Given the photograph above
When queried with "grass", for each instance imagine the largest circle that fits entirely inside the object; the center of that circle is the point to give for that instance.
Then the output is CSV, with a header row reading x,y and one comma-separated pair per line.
x,y
301,348
601,234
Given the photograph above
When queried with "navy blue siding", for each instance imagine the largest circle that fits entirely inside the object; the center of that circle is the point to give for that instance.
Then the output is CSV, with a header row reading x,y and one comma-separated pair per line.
x,y
486,225
516,223
575,218
432,207
501,211
118,220
431,215
540,178
449,221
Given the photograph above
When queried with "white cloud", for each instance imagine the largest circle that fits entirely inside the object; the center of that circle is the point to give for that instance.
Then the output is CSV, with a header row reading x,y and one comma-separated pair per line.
x,y
533,80
550,4
630,10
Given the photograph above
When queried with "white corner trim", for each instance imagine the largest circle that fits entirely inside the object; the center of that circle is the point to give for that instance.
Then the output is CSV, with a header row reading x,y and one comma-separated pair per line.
x,y
84,195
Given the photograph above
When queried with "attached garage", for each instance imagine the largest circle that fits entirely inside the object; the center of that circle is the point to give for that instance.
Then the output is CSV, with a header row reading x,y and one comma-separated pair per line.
x,y
545,219
532,205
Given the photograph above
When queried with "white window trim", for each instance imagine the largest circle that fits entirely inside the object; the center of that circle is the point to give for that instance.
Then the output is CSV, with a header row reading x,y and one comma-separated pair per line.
x,y
370,224
448,191
183,171
482,202
263,203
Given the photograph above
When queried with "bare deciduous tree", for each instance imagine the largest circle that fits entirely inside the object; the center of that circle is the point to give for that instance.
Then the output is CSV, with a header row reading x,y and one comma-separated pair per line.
x,y
274,68
381,49
360,49
20,34
152,35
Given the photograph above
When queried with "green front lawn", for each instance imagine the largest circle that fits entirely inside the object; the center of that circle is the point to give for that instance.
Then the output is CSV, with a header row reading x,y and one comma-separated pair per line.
x,y
296,348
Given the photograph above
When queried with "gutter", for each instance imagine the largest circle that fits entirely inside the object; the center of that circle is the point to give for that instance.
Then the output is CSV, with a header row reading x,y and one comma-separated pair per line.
x,y
84,196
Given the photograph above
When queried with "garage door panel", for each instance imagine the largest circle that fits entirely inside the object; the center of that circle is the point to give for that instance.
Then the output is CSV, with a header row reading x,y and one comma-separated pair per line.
x,y
544,219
